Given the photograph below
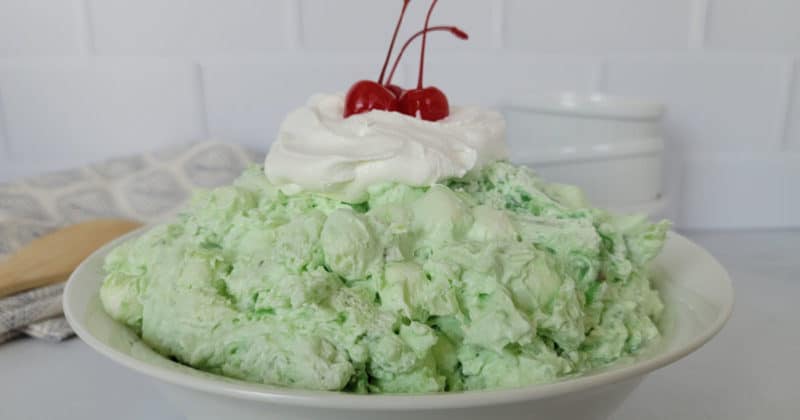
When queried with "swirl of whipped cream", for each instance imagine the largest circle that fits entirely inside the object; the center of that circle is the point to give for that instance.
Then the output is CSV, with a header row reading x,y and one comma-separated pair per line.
x,y
319,150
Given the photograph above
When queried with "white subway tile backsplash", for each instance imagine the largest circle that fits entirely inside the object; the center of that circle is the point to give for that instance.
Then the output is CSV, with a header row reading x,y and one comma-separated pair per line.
x,y
476,17
181,27
715,104
324,24
792,139
698,24
719,102
38,27
4,153
247,98
69,111
748,24
491,79
724,68
591,25
293,24
741,192
368,24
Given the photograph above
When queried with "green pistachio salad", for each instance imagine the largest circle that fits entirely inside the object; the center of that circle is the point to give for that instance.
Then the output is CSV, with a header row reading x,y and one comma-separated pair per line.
x,y
383,253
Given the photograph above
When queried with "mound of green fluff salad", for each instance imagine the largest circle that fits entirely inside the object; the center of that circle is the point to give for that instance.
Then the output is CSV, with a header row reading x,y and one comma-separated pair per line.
x,y
492,280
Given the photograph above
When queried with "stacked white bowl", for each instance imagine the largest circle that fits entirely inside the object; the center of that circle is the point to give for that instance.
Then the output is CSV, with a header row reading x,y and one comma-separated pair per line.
x,y
610,146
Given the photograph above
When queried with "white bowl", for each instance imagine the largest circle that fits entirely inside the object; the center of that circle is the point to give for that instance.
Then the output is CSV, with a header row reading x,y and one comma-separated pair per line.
x,y
696,290
654,208
610,146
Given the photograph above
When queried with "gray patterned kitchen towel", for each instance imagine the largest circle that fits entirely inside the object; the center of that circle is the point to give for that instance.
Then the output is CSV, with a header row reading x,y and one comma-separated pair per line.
x,y
147,188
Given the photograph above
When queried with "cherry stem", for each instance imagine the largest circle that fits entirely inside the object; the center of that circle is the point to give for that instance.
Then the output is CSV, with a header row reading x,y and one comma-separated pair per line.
x,y
394,38
424,39
452,29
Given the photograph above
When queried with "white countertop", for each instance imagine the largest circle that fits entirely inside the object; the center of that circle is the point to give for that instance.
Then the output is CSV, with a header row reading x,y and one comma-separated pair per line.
x,y
749,371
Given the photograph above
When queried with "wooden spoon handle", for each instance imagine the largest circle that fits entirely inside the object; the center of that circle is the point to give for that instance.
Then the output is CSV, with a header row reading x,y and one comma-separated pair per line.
x,y
51,258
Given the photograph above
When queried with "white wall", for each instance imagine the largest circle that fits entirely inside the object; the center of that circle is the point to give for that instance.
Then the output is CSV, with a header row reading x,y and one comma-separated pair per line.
x,y
84,79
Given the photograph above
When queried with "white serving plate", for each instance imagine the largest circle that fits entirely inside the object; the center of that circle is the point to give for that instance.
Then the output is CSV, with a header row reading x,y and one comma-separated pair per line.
x,y
696,290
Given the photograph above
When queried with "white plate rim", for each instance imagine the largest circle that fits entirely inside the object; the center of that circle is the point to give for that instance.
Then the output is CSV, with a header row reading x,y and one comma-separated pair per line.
x,y
339,400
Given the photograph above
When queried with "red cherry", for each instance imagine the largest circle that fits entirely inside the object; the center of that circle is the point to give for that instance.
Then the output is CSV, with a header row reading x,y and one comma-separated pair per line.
x,y
397,90
366,95
428,103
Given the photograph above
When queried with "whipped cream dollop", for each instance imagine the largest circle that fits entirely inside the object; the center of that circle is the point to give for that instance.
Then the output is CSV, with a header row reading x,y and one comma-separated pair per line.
x,y
319,150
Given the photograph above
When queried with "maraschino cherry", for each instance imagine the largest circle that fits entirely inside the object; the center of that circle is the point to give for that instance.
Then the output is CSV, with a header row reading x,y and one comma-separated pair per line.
x,y
397,90
366,95
428,103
